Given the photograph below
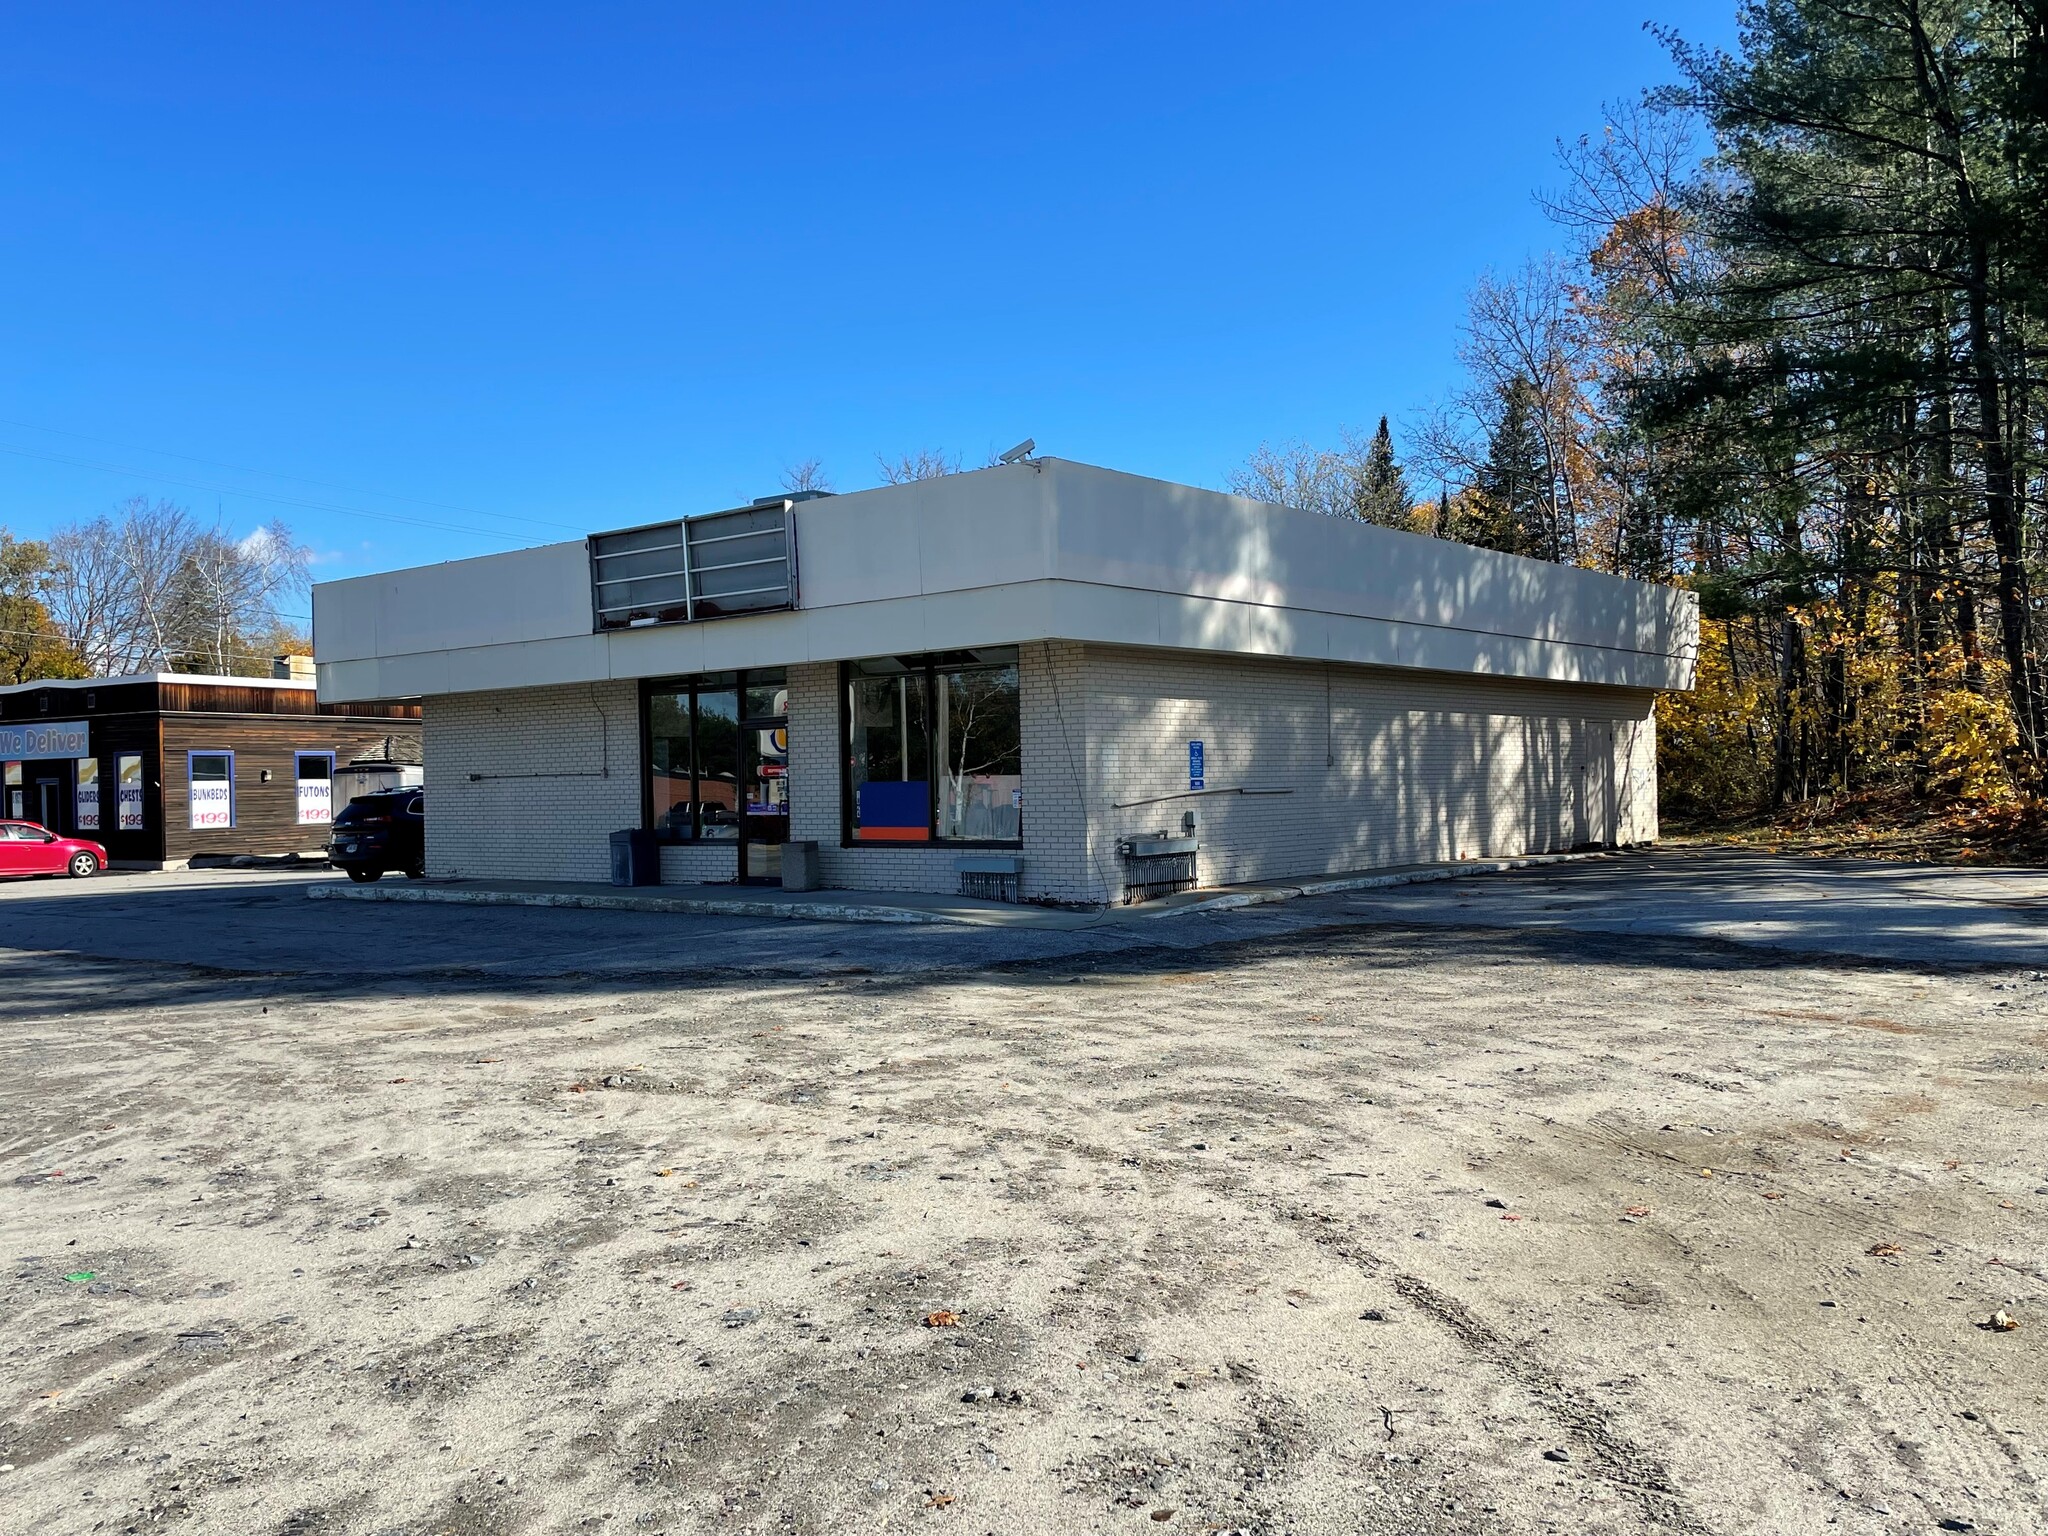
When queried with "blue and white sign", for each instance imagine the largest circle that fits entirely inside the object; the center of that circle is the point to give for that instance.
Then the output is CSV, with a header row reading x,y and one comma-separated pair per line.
x,y
64,738
1194,765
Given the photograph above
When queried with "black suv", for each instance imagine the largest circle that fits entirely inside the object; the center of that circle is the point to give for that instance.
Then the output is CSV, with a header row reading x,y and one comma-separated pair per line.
x,y
383,831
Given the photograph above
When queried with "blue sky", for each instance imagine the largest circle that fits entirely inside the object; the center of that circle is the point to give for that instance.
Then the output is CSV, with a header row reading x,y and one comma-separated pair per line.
x,y
519,272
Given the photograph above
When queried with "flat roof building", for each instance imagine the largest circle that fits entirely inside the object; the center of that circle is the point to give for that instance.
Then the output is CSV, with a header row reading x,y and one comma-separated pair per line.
x,y
1015,679
164,767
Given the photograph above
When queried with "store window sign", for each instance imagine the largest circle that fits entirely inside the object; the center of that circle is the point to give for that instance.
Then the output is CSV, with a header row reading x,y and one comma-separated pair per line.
x,y
88,807
63,738
316,789
212,792
316,802
212,806
1195,765
128,793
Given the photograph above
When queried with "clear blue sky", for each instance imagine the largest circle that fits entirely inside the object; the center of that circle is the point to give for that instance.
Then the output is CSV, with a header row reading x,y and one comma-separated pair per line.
x,y
596,264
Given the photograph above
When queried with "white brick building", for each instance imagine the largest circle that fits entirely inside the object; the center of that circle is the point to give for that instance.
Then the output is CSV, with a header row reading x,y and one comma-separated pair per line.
x,y
1025,669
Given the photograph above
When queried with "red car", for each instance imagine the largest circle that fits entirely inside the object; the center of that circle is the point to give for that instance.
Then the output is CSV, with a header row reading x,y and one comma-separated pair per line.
x,y
27,849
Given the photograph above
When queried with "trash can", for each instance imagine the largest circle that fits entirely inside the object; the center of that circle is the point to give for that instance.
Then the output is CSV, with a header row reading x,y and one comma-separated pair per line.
x,y
636,858
800,866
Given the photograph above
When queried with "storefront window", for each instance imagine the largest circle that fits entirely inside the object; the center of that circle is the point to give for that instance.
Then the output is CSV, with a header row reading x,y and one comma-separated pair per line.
x,y
86,782
718,763
314,772
17,800
128,789
211,789
696,766
670,763
889,752
933,749
981,787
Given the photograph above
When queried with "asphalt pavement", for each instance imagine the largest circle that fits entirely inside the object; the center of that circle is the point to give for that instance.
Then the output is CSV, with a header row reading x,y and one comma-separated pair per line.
x,y
262,922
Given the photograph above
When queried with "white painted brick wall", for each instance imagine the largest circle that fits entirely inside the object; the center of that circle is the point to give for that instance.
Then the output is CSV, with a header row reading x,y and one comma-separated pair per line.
x,y
1379,767
582,739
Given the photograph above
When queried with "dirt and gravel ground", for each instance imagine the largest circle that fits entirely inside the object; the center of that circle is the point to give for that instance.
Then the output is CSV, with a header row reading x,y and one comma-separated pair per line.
x,y
1339,1227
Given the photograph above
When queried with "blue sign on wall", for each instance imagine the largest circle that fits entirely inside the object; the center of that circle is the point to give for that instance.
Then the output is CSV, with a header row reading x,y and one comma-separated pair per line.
x,y
1194,765
68,738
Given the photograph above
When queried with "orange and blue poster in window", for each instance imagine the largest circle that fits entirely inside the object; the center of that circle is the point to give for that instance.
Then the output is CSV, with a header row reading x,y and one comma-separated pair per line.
x,y
894,811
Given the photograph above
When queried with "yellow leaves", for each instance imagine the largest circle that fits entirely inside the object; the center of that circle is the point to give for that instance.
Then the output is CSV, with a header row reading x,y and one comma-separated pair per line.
x,y
1972,734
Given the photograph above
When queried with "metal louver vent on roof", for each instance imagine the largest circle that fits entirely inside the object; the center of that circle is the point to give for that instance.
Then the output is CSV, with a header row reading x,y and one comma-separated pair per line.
x,y
715,566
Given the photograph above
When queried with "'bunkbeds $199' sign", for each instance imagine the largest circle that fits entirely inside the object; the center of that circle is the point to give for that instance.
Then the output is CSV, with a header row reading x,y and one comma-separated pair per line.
x,y
213,804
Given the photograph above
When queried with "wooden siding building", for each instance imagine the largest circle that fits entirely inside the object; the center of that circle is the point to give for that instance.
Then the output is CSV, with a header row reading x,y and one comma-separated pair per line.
x,y
164,767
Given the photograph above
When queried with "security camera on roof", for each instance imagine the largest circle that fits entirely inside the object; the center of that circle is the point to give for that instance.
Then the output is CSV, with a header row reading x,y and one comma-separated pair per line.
x,y
1021,451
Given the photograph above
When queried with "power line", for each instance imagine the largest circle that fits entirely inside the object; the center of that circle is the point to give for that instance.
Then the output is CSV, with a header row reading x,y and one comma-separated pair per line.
x,y
37,634
243,469
282,501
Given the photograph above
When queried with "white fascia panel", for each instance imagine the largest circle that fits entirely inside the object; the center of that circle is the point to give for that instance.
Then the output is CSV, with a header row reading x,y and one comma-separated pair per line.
x,y
526,664
348,682
856,549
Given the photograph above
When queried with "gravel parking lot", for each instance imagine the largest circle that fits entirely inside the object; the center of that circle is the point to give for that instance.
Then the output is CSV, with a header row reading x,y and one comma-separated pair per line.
x,y
1341,1216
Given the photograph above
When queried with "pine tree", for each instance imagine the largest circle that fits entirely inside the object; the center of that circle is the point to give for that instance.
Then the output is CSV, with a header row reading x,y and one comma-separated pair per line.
x,y
1383,488
1508,495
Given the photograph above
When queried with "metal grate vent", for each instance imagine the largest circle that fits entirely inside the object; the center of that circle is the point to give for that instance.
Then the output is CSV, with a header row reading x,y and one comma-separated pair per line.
x,y
709,567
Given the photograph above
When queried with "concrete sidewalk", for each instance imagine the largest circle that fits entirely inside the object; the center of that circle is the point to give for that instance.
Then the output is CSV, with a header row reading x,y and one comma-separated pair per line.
x,y
896,906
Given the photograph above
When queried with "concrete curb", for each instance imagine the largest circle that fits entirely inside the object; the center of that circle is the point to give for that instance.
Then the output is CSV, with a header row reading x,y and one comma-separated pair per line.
x,y
875,911
700,906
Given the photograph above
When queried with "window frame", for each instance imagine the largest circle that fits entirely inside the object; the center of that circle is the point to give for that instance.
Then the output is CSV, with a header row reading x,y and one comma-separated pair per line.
x,y
299,755
695,684
193,753
141,761
926,668
79,780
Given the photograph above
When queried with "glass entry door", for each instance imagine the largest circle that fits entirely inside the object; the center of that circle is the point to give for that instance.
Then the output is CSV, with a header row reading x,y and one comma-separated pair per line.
x,y
764,781
49,803
717,755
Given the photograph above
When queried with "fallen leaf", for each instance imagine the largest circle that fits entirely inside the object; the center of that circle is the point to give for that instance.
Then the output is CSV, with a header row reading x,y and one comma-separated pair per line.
x,y
2007,1205
579,1088
1953,1163
942,1319
1637,1210
1883,1250
680,1285
401,1079
939,1501
1706,1173
1510,1215
1772,1194
485,1061
664,1173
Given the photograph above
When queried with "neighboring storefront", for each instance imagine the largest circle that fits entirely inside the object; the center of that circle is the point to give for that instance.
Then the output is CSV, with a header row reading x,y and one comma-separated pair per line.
x,y
1045,678
163,767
